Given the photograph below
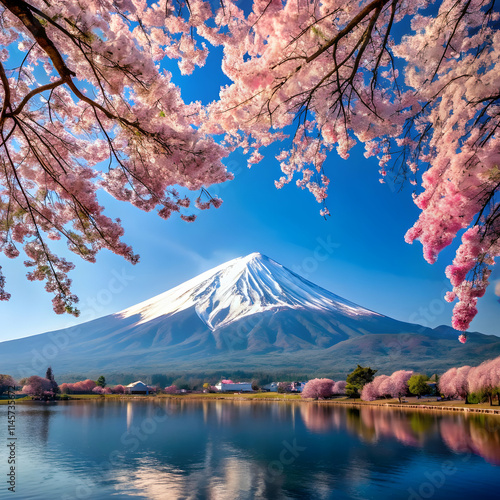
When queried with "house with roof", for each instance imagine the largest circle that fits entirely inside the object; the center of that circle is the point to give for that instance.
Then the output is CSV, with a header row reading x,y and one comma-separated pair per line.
x,y
230,386
138,388
272,387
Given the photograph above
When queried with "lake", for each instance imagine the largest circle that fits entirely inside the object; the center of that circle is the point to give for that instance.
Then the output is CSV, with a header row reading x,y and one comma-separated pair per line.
x,y
244,450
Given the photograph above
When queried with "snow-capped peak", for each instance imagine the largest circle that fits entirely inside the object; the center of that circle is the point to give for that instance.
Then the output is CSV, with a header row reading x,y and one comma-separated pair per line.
x,y
239,288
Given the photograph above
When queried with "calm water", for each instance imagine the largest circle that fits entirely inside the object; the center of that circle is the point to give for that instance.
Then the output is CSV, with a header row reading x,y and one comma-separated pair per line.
x,y
244,450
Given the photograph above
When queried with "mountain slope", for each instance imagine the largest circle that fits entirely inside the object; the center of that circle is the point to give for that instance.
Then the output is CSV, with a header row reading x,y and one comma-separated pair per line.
x,y
249,313
242,287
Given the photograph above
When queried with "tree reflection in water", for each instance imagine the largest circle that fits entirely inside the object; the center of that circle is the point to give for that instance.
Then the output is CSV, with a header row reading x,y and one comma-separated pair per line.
x,y
478,434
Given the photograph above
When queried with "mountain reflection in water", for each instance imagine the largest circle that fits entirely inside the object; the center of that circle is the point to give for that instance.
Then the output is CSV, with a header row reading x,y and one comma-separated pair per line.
x,y
218,450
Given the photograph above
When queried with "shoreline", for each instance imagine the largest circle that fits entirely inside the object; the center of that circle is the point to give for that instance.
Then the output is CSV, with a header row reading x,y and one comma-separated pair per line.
x,y
429,406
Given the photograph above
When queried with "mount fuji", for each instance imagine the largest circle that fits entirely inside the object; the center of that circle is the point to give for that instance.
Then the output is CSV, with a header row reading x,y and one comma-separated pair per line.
x,y
249,314
241,287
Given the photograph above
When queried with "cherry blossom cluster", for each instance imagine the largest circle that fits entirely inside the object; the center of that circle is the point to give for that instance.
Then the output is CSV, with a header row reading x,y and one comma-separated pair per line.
x,y
318,388
460,382
330,68
395,386
38,386
85,106
81,387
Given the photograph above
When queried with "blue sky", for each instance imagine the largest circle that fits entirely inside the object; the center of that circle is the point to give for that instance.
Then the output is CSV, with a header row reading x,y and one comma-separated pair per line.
x,y
358,253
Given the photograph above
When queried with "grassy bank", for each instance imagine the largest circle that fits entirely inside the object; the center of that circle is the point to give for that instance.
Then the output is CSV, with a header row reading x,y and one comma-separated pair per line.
x,y
411,403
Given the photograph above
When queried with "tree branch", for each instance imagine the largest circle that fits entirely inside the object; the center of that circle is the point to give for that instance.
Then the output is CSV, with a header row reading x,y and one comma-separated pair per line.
x,y
34,92
6,97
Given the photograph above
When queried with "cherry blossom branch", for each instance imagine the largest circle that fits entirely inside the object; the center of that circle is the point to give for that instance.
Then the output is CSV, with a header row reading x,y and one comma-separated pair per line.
x,y
375,5
54,274
34,92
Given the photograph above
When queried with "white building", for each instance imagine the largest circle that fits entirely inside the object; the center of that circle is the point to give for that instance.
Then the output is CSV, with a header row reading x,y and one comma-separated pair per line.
x,y
272,387
138,388
298,386
234,387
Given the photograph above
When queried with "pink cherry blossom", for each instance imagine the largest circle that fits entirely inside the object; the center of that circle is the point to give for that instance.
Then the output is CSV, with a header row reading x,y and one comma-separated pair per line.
x,y
339,387
91,108
455,382
82,387
329,68
104,117
172,389
395,386
38,387
318,388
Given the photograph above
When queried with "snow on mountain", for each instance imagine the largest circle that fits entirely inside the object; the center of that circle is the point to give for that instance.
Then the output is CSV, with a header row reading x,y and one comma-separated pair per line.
x,y
249,314
239,288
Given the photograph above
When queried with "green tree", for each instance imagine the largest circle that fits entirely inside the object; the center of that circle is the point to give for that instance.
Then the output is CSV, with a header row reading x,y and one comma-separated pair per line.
x,y
160,379
418,385
357,379
49,375
182,383
101,381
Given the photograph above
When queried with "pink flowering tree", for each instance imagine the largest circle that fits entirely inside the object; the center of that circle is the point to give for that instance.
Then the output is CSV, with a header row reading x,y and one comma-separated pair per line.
x,y
395,386
98,390
82,387
384,386
339,388
39,387
85,386
377,388
318,388
64,388
399,383
369,392
172,389
446,383
485,379
454,383
118,389
462,382
88,107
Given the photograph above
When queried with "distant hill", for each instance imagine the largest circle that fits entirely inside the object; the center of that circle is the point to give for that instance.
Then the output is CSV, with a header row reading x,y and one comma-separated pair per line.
x,y
248,314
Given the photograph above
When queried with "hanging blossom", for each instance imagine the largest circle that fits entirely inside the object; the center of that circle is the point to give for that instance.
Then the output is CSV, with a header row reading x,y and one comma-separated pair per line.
x,y
328,67
88,109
